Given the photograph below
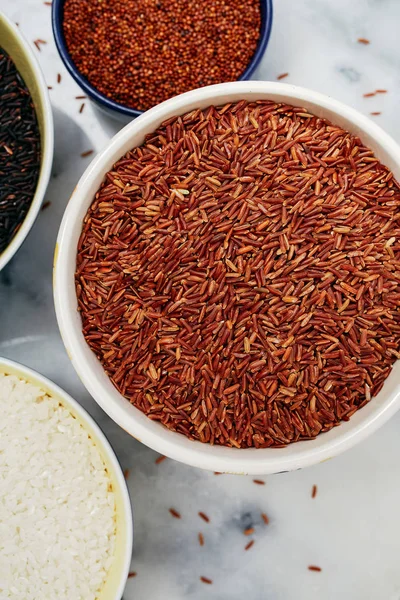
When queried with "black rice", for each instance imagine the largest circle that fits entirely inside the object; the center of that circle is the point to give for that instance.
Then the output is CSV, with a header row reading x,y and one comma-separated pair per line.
x,y
19,150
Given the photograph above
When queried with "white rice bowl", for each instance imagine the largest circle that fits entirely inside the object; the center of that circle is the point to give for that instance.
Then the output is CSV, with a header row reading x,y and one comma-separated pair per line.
x,y
58,506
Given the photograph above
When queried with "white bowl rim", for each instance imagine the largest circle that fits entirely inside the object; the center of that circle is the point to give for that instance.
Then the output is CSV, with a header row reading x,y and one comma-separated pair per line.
x,y
58,392
175,445
47,156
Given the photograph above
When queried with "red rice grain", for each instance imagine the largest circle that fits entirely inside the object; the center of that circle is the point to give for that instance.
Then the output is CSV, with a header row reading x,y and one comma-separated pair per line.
x,y
160,459
126,473
376,113
132,574
380,91
204,517
58,78
251,220
363,41
314,568
369,95
38,43
314,491
249,545
201,539
206,580
249,531
87,153
175,513
82,107
265,518
282,76
259,481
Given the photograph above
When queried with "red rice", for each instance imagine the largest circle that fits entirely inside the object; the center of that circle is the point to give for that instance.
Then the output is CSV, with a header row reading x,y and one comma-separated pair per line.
x,y
251,245
201,539
204,517
175,513
314,491
314,568
265,518
249,531
259,481
249,545
206,580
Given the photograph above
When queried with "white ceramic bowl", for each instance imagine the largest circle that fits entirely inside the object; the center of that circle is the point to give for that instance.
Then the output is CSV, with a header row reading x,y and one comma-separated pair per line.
x,y
21,53
117,576
151,433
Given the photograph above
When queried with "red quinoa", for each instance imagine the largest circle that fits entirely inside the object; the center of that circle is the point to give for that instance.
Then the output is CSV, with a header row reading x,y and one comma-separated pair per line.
x,y
141,52
238,275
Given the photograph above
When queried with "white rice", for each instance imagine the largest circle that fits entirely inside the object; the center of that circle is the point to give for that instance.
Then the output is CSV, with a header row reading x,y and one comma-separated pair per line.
x,y
57,509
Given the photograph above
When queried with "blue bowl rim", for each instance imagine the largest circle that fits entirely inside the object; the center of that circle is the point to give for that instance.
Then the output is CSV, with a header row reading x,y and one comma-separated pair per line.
x,y
111,105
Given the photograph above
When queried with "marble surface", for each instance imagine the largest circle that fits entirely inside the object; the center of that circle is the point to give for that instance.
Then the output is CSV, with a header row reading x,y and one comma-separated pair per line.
x,y
352,528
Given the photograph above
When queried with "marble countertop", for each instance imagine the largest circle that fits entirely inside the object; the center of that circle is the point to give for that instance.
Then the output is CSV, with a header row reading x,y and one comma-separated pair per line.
x,y
351,529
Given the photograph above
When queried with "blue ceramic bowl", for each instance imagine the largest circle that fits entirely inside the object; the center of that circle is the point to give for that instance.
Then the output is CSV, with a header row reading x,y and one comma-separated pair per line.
x,y
121,111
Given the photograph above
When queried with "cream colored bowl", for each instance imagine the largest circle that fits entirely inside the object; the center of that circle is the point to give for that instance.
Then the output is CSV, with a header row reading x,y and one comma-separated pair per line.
x,y
116,580
12,41
151,433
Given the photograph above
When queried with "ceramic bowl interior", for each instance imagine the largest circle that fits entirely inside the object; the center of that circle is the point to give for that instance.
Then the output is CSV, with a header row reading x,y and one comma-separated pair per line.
x,y
20,52
125,113
155,435
116,579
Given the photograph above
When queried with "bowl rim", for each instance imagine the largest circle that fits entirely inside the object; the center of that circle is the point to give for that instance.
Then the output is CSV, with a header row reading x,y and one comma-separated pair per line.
x,y
36,378
175,445
48,145
57,12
